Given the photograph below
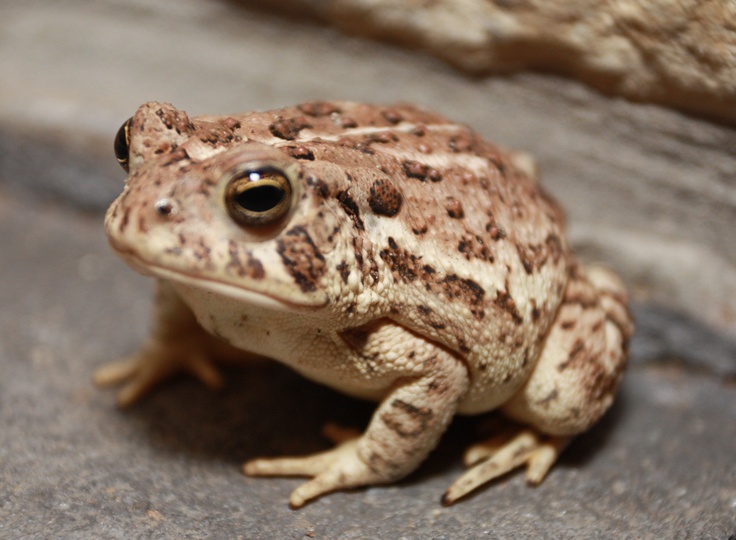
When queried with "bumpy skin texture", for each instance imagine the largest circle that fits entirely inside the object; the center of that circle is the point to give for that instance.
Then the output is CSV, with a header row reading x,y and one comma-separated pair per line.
x,y
417,265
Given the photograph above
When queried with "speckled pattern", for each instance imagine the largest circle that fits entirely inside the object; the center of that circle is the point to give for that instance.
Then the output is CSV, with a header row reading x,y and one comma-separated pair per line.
x,y
410,262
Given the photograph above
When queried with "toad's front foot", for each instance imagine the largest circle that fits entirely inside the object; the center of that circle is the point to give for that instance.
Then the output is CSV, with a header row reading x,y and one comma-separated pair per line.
x,y
338,468
152,364
503,453
177,344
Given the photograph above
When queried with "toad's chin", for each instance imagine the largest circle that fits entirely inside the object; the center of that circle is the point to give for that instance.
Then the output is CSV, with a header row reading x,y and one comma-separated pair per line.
x,y
229,290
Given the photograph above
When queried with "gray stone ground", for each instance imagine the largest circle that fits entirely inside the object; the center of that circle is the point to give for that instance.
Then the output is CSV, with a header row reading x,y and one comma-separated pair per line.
x,y
660,465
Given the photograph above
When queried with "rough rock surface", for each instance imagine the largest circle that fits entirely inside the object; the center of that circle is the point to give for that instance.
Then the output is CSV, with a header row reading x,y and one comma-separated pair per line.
x,y
680,53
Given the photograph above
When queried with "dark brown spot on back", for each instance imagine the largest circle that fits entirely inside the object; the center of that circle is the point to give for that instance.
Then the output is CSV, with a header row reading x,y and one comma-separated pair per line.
x,y
347,123
473,247
495,231
318,108
231,123
420,130
363,147
300,152
383,137
465,290
421,171
462,142
351,209
392,116
385,199
506,302
288,128
402,264
454,208
212,133
535,256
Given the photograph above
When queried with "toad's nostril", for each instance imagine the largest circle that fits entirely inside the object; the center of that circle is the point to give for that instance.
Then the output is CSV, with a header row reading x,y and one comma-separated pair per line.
x,y
165,207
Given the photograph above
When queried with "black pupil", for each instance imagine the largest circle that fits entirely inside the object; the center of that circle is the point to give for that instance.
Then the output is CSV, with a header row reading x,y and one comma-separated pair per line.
x,y
260,198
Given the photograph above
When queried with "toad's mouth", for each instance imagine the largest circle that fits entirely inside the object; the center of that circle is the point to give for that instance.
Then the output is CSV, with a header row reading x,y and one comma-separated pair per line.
x,y
247,296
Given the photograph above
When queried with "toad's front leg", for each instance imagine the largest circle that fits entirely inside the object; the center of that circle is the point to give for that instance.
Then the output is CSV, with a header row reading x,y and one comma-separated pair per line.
x,y
402,432
177,343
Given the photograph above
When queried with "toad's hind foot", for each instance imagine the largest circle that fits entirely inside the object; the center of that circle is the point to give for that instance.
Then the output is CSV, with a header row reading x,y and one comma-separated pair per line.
x,y
503,453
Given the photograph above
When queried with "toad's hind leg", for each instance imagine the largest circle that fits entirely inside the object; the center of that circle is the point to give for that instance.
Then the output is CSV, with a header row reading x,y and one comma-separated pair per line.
x,y
572,385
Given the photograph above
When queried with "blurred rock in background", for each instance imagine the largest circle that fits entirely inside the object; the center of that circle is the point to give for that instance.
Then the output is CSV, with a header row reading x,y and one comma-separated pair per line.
x,y
681,54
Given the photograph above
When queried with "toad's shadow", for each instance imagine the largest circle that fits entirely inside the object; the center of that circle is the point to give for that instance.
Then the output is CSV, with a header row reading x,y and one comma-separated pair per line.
x,y
266,409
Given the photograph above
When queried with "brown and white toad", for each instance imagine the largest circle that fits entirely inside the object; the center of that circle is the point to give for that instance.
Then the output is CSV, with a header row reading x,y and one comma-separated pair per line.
x,y
382,251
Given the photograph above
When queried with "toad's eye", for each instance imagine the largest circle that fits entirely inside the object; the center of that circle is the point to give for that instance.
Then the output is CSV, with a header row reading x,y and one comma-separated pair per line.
x,y
122,144
257,197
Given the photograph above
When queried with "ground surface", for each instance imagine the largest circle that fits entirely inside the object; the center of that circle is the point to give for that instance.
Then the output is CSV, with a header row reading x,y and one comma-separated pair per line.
x,y
660,465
